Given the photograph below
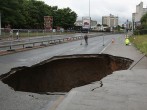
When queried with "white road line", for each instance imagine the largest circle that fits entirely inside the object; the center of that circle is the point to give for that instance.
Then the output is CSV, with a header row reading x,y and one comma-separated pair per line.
x,y
73,48
105,48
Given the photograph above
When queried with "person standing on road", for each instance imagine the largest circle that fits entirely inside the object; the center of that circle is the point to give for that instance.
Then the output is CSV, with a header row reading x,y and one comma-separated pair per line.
x,y
17,35
127,41
86,39
11,33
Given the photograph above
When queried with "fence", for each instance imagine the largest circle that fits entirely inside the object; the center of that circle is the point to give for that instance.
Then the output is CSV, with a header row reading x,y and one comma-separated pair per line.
x,y
37,43
6,33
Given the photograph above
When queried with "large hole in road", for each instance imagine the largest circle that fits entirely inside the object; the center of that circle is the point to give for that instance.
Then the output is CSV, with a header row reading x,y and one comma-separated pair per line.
x,y
62,73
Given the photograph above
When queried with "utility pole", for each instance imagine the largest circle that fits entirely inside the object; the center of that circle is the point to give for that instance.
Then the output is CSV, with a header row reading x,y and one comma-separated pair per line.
x,y
0,25
103,40
127,27
89,8
133,19
89,16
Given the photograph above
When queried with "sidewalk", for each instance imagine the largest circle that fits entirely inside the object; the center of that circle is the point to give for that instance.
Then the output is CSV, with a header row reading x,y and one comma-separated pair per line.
x,y
122,90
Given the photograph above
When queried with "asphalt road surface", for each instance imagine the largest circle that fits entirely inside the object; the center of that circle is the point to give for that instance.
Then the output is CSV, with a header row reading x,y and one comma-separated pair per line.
x,y
22,100
31,57
6,44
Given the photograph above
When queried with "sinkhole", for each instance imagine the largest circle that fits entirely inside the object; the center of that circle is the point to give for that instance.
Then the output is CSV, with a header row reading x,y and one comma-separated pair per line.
x,y
62,73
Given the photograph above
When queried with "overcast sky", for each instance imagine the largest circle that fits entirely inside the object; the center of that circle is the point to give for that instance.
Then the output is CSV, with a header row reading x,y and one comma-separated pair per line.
x,y
98,8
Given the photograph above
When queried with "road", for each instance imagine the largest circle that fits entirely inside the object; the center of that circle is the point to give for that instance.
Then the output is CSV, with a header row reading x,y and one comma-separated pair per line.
x,y
30,101
28,58
38,40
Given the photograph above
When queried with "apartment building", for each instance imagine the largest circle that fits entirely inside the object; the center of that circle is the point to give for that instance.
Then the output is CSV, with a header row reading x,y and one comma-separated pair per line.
x,y
140,11
110,20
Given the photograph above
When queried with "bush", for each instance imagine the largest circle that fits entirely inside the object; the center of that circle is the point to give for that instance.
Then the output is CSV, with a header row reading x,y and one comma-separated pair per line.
x,y
140,32
136,32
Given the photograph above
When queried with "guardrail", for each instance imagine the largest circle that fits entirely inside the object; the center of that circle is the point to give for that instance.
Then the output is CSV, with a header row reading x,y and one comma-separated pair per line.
x,y
11,47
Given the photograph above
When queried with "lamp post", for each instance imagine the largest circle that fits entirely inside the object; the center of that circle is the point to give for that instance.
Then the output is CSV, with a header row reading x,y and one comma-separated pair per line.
x,y
89,8
103,40
133,26
0,23
127,27
89,16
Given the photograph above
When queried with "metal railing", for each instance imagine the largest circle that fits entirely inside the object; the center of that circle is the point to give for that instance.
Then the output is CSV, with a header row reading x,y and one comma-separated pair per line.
x,y
38,43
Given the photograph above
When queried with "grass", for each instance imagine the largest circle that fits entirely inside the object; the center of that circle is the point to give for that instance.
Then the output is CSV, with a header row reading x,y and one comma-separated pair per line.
x,y
140,42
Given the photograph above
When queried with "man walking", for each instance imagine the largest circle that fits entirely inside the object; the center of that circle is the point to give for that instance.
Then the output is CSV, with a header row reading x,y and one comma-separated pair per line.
x,y
17,35
86,39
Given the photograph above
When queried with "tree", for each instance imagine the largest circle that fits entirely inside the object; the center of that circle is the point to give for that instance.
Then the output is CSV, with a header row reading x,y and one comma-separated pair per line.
x,y
64,18
118,28
98,24
105,25
144,21
34,12
10,12
30,14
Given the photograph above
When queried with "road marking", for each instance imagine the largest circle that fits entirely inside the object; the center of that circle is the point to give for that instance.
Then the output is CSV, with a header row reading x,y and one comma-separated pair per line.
x,y
56,103
73,48
105,48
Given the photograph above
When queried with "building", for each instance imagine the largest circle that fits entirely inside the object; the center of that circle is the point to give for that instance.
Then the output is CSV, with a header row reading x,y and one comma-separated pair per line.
x,y
111,21
140,11
93,24
78,23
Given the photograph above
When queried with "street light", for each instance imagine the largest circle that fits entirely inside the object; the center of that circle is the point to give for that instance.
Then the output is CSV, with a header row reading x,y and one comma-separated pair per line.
x,y
133,19
89,8
127,27
89,16
0,24
103,40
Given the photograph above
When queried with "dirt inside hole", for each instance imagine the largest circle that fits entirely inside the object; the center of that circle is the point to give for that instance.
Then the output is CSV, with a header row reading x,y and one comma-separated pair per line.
x,y
62,73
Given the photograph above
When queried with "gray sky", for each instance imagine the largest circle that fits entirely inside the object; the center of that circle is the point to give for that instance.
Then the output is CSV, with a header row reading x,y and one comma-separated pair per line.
x,y
98,8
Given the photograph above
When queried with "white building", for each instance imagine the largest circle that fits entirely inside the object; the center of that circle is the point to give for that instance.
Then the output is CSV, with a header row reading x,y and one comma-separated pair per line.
x,y
140,11
111,21
78,23
93,24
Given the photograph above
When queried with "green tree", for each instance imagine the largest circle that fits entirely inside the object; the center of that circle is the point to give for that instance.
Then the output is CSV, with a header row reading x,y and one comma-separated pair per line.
x,y
30,14
64,18
34,12
144,21
104,24
10,12
98,24
118,27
